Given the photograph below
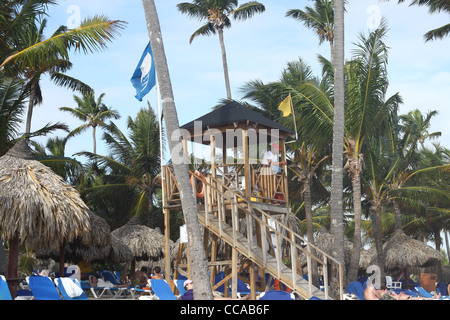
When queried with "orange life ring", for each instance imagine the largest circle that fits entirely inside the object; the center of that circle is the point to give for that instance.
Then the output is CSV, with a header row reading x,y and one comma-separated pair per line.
x,y
200,194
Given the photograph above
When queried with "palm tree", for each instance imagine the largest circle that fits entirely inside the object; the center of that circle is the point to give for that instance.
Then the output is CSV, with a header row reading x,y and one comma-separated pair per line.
x,y
369,115
217,14
93,112
132,165
199,265
416,126
320,19
337,214
395,182
55,68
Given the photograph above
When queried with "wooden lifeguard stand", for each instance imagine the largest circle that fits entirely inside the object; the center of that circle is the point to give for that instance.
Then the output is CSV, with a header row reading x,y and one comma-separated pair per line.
x,y
238,197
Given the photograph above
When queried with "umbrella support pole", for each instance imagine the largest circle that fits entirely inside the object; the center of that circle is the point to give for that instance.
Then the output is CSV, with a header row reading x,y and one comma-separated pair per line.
x,y
13,265
61,259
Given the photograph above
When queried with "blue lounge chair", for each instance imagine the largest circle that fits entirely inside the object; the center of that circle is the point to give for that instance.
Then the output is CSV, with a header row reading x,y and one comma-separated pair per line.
x,y
162,289
66,292
424,292
5,294
96,292
118,292
276,295
43,288
179,283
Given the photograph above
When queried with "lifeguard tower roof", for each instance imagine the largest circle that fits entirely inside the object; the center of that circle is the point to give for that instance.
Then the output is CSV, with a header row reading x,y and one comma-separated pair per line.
x,y
234,113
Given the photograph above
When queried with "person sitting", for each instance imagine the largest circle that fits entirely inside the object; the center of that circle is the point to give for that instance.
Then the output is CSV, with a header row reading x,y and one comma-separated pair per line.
x,y
157,273
270,158
370,293
101,283
140,277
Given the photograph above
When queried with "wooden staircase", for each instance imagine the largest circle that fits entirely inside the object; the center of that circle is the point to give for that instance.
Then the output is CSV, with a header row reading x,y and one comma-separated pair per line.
x,y
254,253
221,212
251,226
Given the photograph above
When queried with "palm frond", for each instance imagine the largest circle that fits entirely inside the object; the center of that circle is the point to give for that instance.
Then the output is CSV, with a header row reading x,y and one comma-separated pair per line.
x,y
63,80
92,35
247,10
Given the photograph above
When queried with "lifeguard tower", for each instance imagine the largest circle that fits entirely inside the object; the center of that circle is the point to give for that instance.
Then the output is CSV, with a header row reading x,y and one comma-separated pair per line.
x,y
242,204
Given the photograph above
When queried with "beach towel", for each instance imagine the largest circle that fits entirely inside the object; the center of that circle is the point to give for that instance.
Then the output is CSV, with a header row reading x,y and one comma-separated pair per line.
x,y
71,288
104,284
356,288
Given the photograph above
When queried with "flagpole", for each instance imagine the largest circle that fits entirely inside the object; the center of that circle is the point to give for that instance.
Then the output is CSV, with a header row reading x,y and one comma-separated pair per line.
x,y
160,116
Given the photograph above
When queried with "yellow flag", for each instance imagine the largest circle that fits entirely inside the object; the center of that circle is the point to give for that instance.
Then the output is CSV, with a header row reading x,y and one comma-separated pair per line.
x,y
285,106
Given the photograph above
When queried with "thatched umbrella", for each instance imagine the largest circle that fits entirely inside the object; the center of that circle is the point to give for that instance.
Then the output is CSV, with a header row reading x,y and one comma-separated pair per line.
x,y
37,207
402,251
120,252
90,246
145,243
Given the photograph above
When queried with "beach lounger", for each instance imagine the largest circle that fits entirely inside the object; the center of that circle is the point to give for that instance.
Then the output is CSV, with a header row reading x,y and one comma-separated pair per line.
x,y
391,284
43,288
5,294
70,289
145,293
179,283
96,292
118,292
276,295
162,289
424,293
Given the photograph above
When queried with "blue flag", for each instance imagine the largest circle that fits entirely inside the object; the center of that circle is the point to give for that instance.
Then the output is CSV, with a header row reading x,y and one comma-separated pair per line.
x,y
144,78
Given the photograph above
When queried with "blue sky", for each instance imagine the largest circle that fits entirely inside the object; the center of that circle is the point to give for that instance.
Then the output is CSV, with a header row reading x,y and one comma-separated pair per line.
x,y
258,48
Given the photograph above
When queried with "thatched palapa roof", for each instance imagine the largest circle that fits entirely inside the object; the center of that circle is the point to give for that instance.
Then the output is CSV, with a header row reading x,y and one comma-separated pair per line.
x,y
402,251
36,205
145,243
96,245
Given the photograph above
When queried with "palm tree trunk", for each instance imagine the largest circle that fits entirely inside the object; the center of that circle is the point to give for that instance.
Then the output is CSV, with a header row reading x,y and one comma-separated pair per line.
x,y
352,274
199,266
337,212
30,107
398,217
225,64
375,214
94,139
310,229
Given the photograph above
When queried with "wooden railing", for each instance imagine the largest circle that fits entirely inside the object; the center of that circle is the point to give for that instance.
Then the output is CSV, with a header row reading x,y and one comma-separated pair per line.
x,y
259,185
229,206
